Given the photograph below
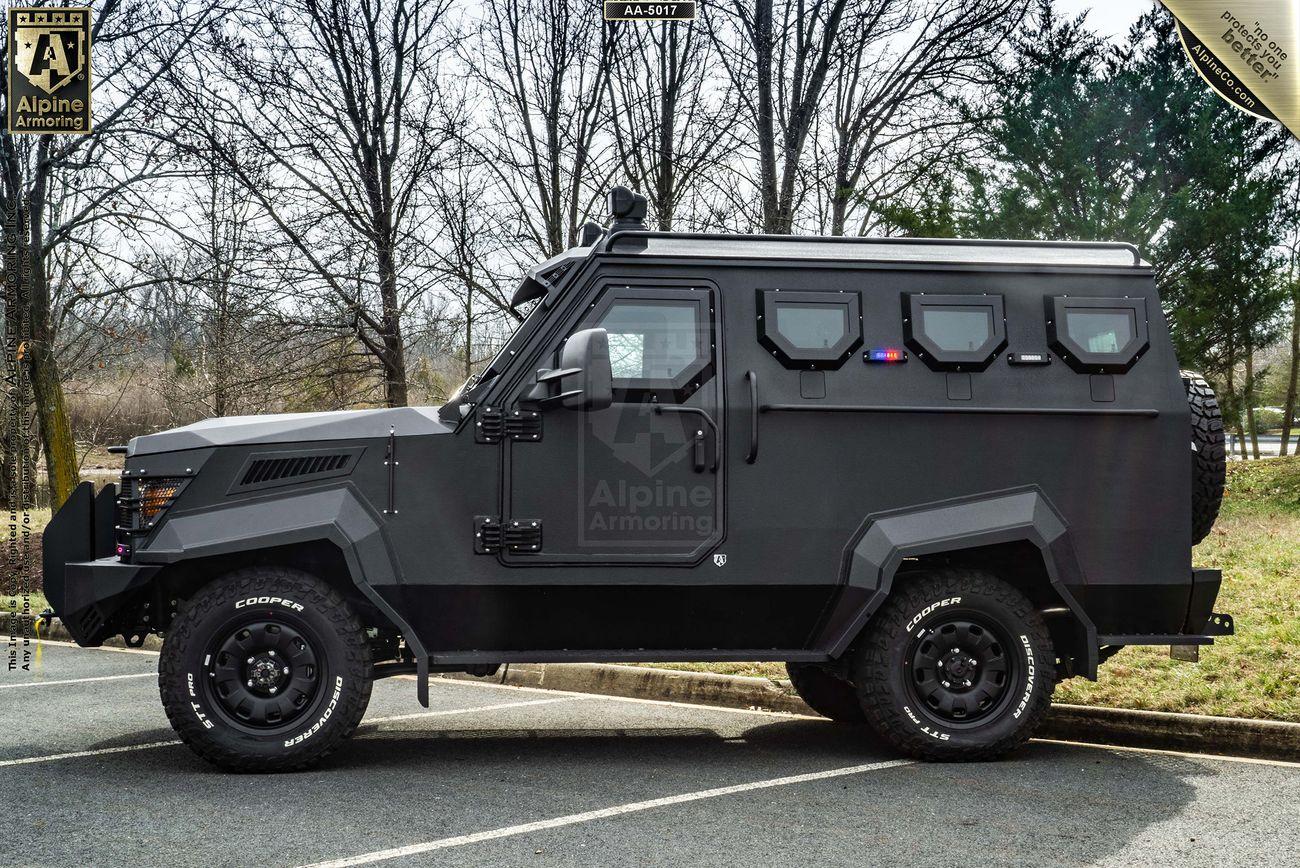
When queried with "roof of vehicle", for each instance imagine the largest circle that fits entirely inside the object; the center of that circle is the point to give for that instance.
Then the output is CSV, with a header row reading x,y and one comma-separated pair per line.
x,y
863,249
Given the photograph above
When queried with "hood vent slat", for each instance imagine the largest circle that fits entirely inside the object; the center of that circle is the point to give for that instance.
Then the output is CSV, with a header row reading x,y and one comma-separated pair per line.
x,y
264,470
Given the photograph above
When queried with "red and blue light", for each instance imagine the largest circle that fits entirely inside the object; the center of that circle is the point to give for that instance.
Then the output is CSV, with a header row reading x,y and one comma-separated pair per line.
x,y
886,355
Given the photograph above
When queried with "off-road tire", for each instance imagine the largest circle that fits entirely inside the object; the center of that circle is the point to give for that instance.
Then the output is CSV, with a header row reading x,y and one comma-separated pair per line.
x,y
825,692
924,603
291,600
1209,458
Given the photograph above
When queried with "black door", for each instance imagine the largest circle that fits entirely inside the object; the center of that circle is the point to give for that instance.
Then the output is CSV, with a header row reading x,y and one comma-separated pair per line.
x,y
641,480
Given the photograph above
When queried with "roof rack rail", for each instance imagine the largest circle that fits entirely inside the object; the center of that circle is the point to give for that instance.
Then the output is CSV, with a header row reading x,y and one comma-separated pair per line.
x,y
870,240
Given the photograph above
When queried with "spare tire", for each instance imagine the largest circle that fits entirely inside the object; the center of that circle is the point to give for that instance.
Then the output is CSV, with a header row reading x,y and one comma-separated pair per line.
x,y
1208,455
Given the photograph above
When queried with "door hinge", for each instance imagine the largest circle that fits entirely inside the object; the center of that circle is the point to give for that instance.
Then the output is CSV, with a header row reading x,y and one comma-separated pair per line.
x,y
494,424
521,536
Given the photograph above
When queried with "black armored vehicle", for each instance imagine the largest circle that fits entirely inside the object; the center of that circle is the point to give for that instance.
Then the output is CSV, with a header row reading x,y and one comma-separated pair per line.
x,y
932,477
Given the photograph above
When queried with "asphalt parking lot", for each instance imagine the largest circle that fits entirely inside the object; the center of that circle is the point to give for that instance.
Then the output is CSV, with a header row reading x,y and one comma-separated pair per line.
x,y
491,775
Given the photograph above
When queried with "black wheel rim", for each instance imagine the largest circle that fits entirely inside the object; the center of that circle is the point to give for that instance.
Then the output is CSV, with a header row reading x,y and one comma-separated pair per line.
x,y
263,674
960,670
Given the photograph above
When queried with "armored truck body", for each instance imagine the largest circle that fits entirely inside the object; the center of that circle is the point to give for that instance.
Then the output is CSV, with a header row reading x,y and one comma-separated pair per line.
x,y
933,477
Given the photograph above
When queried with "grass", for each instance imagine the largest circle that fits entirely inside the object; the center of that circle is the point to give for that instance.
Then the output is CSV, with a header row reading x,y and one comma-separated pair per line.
x,y
1256,542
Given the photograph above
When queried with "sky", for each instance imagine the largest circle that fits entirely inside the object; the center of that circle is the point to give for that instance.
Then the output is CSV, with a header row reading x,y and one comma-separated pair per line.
x,y
1110,18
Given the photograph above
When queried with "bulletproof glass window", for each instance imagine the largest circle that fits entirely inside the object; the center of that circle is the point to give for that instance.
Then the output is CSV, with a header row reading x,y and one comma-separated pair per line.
x,y
959,329
660,343
809,330
1098,335
812,326
1101,331
651,340
954,332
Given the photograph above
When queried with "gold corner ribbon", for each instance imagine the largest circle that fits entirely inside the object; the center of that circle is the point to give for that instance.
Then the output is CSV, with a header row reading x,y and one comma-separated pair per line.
x,y
1248,51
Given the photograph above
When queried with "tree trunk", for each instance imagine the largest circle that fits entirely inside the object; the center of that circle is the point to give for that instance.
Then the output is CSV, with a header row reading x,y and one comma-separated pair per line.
x,y
393,360
56,431
766,122
1235,422
1250,405
47,387
1289,405
840,195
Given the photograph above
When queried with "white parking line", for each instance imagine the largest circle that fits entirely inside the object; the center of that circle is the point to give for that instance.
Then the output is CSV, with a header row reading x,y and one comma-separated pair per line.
x,y
444,712
604,813
153,744
637,699
78,680
83,753
61,644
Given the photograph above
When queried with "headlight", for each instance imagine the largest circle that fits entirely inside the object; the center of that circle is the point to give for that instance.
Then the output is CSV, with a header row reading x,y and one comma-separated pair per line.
x,y
155,496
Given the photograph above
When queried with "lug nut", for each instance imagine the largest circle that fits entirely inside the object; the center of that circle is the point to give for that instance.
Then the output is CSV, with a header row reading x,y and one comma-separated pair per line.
x,y
273,690
250,682
286,670
272,653
250,660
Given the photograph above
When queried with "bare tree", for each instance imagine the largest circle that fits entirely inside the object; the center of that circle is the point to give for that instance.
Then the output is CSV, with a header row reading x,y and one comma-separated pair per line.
x,y
470,252
778,57
334,104
68,189
543,66
670,123
899,70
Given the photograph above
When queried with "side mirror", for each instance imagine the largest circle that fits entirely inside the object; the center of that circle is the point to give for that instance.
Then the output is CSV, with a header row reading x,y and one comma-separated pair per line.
x,y
584,379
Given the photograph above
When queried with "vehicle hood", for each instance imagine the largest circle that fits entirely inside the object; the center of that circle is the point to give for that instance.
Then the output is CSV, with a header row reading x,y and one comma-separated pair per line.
x,y
293,428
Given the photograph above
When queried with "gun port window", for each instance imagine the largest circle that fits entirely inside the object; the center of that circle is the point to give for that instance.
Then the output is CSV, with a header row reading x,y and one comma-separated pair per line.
x,y
810,330
954,332
1100,335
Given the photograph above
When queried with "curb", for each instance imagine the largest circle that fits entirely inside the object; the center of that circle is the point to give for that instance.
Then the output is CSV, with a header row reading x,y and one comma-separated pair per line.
x,y
1159,730
1194,733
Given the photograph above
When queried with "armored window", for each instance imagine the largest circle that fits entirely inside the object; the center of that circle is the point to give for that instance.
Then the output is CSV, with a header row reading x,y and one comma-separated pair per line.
x,y
954,332
810,330
1098,335
658,340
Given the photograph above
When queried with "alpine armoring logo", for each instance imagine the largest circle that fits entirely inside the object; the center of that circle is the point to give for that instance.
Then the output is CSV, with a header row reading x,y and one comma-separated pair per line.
x,y
49,70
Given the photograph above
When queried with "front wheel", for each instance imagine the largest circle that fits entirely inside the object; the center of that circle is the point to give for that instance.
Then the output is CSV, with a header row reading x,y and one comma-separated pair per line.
x,y
267,669
957,665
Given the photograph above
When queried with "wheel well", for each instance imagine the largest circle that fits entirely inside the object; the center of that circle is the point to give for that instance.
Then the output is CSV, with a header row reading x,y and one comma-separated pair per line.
x,y
322,558
1021,565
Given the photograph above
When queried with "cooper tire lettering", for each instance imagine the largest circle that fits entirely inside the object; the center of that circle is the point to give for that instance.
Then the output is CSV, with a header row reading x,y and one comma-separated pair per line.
x,y
269,601
930,608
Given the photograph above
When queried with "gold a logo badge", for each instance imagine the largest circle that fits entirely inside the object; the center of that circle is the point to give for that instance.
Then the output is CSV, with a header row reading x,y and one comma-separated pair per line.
x,y
50,47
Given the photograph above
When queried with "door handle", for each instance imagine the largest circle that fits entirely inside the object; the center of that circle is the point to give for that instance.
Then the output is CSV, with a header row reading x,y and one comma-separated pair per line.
x,y
752,379
699,437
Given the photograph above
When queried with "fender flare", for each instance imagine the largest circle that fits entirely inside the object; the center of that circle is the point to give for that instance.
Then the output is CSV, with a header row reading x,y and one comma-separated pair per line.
x,y
337,514
873,554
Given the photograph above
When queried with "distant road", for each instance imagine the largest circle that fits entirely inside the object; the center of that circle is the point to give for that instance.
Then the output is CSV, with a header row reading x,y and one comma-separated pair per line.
x,y
1269,445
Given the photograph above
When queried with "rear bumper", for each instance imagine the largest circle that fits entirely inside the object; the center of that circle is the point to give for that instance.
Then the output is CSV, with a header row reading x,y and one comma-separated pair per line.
x,y
87,586
1201,626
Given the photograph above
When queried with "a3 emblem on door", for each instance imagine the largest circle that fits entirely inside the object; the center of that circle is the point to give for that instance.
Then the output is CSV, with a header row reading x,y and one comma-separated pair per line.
x,y
719,560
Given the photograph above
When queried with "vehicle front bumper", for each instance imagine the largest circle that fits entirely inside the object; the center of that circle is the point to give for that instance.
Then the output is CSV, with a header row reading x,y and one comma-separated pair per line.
x,y
87,586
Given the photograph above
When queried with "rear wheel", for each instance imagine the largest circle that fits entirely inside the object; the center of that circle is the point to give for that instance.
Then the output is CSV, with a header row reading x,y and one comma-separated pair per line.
x,y
826,693
267,669
957,665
